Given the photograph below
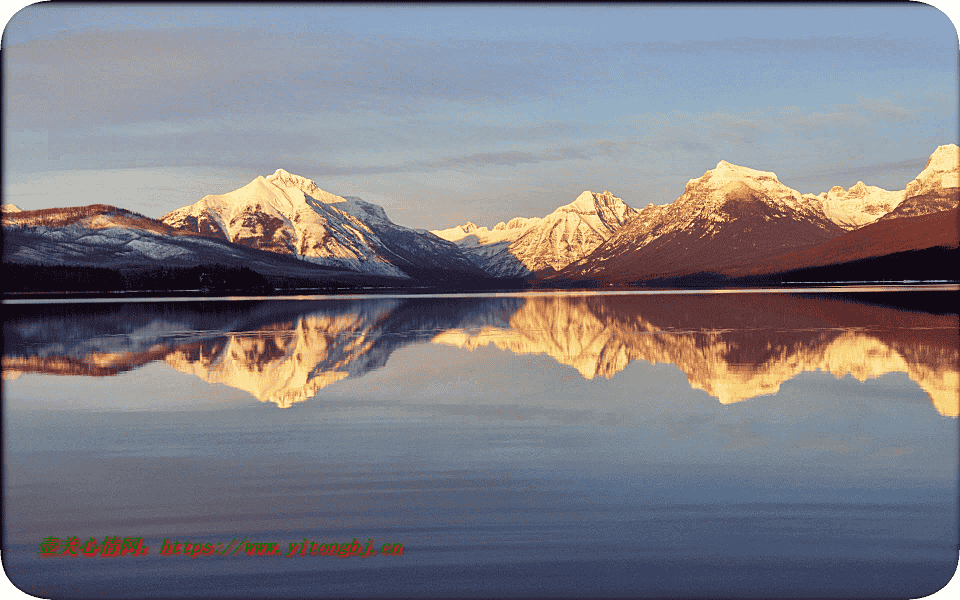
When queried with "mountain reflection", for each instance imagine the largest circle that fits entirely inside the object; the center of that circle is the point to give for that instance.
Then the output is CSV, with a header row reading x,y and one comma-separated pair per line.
x,y
731,346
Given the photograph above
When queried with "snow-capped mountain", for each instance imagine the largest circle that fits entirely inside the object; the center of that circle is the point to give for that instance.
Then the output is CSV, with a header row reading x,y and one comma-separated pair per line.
x,y
289,214
106,236
96,234
488,248
732,221
935,189
729,216
858,206
530,245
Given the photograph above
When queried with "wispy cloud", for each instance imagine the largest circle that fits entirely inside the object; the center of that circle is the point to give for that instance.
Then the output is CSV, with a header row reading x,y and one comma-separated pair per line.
x,y
99,78
866,48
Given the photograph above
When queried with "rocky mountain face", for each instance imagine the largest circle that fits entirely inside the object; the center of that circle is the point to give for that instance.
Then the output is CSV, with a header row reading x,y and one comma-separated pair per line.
x,y
96,234
735,221
731,221
530,245
731,215
109,237
858,206
936,188
288,214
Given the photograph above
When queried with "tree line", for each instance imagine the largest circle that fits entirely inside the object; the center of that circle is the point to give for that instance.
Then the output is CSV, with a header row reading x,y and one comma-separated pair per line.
x,y
61,278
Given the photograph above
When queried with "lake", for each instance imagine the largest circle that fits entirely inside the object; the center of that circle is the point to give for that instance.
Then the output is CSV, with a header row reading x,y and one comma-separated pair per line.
x,y
646,444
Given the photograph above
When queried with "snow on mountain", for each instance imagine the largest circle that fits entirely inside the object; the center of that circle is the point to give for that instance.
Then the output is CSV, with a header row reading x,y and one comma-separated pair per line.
x,y
106,236
527,245
487,248
730,215
99,235
732,219
935,189
732,183
473,236
9,208
571,232
289,214
941,173
857,206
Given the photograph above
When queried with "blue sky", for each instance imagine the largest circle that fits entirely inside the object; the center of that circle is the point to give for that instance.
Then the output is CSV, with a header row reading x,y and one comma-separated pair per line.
x,y
448,113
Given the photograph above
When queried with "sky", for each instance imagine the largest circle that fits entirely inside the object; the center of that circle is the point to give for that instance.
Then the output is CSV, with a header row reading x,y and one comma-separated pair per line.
x,y
454,112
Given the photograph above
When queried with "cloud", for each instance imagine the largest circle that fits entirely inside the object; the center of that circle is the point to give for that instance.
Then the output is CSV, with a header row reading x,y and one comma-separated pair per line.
x,y
306,142
513,158
872,49
902,170
101,78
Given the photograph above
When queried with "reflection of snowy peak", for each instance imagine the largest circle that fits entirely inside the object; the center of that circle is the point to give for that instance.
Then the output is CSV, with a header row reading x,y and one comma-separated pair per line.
x,y
289,214
525,245
601,337
732,346
290,362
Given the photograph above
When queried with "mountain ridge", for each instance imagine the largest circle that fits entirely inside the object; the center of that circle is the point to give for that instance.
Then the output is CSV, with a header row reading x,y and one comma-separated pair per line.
x,y
528,245
731,221
290,214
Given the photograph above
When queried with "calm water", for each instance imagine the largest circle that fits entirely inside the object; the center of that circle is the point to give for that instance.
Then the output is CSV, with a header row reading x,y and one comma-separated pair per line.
x,y
749,445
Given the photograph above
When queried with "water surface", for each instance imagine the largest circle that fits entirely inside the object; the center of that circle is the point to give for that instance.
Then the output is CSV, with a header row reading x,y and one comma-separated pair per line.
x,y
683,445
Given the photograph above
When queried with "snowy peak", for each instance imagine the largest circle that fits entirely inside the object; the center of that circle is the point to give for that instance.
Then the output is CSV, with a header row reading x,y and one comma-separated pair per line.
x,y
730,215
11,208
571,232
285,180
516,223
470,235
289,214
94,216
458,232
935,189
288,178
941,173
728,175
730,188
721,193
858,206
585,202
589,203
524,245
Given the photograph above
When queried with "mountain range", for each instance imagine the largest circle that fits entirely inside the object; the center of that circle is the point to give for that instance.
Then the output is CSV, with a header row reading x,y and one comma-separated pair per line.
x,y
731,223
